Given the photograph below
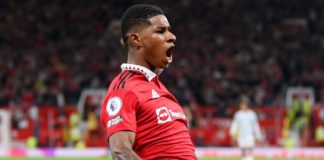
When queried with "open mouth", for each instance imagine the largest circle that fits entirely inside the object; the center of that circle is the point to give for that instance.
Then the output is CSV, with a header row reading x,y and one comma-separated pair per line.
x,y
169,54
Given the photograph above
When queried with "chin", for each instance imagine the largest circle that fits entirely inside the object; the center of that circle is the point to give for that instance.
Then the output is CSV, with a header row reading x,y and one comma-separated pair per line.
x,y
163,65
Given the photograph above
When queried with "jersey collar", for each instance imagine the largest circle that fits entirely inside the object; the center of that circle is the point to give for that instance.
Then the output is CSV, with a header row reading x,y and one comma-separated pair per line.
x,y
137,68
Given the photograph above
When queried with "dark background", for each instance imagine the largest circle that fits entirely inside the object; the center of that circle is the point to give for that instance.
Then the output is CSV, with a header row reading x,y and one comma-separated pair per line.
x,y
51,50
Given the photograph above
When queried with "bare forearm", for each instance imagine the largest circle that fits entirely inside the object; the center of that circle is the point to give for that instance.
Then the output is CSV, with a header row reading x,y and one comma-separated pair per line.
x,y
125,155
121,146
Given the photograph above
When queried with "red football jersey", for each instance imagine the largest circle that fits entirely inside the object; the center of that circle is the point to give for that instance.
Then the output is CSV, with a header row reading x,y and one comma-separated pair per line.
x,y
137,101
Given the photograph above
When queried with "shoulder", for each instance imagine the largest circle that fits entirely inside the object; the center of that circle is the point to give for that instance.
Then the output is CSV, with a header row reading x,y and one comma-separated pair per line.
x,y
128,80
117,98
118,90
120,80
130,83
127,90
253,114
237,114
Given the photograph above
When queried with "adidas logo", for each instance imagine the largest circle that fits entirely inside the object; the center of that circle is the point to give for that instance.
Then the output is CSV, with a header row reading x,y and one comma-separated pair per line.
x,y
154,94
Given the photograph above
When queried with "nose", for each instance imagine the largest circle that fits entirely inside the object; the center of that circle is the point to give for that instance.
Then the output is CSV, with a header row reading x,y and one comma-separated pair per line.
x,y
171,37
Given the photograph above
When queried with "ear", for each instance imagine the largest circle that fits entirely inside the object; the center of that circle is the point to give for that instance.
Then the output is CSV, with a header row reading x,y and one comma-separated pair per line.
x,y
135,40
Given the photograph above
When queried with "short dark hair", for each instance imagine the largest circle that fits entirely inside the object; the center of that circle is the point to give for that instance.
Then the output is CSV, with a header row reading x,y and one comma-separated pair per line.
x,y
137,15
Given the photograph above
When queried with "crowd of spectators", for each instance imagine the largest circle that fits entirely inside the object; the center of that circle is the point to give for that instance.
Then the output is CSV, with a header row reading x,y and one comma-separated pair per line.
x,y
51,50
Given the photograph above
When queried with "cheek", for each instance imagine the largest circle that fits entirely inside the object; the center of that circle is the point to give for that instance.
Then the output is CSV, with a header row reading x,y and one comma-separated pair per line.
x,y
154,46
154,49
155,55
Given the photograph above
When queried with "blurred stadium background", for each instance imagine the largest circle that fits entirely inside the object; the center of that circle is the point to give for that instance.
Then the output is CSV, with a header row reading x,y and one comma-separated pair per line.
x,y
58,57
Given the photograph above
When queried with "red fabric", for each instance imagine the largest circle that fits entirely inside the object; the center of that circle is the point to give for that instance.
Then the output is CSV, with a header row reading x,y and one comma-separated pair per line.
x,y
161,130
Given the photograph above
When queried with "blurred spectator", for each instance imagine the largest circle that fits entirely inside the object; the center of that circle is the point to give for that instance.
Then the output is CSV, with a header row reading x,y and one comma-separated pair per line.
x,y
74,132
245,129
319,134
50,51
189,116
92,133
62,47
33,115
19,118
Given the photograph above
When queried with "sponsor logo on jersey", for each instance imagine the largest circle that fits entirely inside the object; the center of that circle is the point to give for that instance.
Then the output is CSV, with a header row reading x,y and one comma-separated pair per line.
x,y
114,121
165,115
113,106
177,114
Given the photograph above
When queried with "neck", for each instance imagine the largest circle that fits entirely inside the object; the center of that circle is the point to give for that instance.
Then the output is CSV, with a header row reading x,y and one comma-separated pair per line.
x,y
136,57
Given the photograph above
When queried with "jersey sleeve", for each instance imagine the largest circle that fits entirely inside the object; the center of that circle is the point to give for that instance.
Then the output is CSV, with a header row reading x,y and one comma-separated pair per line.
x,y
118,112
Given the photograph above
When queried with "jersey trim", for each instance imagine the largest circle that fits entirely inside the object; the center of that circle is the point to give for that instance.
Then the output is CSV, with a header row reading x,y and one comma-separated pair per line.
x,y
140,69
123,78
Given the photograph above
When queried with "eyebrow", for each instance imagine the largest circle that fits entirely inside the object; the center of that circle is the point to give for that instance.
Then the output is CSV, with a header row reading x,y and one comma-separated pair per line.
x,y
164,27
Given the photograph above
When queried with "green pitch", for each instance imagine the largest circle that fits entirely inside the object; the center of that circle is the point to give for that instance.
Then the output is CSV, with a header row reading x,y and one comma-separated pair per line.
x,y
22,158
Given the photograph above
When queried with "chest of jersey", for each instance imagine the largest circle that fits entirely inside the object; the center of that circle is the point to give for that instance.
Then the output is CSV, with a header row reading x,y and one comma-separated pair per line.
x,y
157,106
145,107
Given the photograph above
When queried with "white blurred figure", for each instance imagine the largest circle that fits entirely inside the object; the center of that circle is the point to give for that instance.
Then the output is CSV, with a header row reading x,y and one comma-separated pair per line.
x,y
245,129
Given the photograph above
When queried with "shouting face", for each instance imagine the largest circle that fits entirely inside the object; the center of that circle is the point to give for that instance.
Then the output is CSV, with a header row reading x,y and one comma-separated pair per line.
x,y
157,43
